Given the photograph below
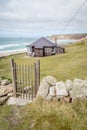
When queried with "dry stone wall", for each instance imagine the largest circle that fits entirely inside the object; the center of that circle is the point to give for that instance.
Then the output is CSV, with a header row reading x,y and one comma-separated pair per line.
x,y
51,89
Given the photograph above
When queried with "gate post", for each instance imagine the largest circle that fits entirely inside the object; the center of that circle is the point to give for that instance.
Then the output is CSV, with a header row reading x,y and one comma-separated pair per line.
x,y
37,75
13,71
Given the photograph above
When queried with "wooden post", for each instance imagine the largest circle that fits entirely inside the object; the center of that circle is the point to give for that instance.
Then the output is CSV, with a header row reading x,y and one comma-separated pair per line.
x,y
37,75
13,71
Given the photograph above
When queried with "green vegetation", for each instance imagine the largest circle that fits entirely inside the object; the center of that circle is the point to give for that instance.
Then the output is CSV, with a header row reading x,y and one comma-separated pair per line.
x,y
46,115
70,65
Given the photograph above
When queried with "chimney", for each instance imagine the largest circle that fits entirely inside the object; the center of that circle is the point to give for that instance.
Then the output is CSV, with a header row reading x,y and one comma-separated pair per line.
x,y
55,40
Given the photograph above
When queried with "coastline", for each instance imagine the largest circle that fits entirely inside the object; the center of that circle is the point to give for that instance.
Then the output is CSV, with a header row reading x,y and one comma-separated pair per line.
x,y
4,54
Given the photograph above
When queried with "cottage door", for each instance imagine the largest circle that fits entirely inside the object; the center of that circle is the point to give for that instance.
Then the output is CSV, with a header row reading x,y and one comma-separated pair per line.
x,y
43,51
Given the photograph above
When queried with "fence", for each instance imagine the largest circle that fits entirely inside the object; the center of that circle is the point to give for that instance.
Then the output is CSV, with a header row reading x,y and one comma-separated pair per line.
x,y
26,79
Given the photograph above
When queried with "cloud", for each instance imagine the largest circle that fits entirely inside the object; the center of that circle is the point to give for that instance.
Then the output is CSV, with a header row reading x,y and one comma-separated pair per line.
x,y
47,16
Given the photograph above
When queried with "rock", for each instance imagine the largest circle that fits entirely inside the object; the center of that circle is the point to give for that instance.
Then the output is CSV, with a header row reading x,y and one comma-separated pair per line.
x,y
5,82
61,90
51,80
85,83
43,89
4,90
79,89
66,99
51,94
45,84
68,85
17,101
10,94
27,88
9,88
0,81
49,97
3,99
77,81
52,91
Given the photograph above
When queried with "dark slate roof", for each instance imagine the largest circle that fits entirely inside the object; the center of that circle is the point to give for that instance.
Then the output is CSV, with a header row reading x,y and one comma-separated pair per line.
x,y
42,42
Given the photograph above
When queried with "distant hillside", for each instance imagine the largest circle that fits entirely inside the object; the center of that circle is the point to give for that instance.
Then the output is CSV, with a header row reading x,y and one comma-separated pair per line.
x,y
68,36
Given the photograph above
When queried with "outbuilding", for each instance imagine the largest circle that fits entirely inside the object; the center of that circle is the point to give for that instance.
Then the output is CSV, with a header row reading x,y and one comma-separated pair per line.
x,y
43,47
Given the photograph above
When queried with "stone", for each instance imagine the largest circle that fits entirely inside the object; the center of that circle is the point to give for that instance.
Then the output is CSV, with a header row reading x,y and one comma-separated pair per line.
x,y
49,97
45,84
4,90
61,89
43,89
52,91
10,94
51,80
0,81
17,101
5,82
79,89
9,88
27,88
68,85
66,99
3,99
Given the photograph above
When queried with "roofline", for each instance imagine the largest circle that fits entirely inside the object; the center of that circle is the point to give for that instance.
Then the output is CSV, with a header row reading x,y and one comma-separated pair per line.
x,y
46,46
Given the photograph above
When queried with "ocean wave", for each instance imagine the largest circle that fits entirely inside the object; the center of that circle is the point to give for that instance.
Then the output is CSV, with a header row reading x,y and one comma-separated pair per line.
x,y
8,45
13,51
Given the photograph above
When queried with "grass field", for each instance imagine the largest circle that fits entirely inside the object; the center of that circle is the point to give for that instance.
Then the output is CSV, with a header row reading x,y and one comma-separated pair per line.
x,y
45,115
70,65
42,114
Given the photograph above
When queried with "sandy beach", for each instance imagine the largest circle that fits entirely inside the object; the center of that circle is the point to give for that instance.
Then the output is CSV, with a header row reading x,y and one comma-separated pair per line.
x,y
4,54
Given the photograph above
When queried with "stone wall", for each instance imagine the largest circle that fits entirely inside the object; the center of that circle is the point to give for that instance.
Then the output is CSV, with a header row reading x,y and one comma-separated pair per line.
x,y
68,91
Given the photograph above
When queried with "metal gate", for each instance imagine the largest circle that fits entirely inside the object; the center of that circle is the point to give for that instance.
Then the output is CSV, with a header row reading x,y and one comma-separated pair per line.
x,y
25,79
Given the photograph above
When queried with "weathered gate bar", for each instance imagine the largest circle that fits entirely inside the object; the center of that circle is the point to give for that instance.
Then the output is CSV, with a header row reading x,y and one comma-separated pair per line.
x,y
13,71
37,75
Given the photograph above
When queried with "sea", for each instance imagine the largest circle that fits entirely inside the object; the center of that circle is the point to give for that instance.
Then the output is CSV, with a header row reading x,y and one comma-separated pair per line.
x,y
19,44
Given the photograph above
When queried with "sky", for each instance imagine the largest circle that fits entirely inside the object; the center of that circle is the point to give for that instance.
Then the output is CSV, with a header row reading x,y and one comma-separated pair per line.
x,y
35,18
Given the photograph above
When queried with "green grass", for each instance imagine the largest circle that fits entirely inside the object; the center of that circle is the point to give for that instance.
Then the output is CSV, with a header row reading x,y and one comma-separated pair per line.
x,y
70,65
46,115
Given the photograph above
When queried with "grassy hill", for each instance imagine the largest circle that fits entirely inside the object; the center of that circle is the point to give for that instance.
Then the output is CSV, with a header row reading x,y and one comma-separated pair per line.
x,y
46,115
70,65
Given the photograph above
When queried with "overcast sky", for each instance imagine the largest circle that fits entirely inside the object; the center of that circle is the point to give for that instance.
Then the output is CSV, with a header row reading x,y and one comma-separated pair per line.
x,y
34,18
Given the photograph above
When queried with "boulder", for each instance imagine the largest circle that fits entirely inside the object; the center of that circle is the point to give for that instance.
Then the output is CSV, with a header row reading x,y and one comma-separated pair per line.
x,y
50,80
45,84
68,85
43,89
3,99
79,89
61,90
5,82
